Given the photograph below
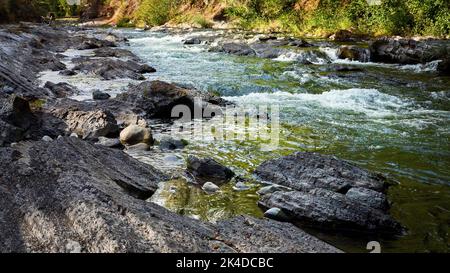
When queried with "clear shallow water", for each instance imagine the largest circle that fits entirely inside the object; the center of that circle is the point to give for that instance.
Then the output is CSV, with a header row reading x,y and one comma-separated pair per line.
x,y
391,119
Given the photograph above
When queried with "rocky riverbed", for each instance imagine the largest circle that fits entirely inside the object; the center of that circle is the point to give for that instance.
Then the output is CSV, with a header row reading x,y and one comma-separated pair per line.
x,y
91,164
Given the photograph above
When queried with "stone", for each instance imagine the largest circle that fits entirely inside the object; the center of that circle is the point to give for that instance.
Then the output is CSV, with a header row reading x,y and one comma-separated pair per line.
x,y
208,168
47,139
270,189
169,143
67,72
140,147
109,142
354,53
276,214
240,186
99,95
135,134
74,135
210,187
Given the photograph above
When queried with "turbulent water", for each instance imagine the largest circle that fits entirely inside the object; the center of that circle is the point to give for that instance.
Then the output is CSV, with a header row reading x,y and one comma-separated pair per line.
x,y
391,119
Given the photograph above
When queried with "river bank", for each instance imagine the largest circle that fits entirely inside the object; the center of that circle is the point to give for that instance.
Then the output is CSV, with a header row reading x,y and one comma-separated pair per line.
x,y
110,60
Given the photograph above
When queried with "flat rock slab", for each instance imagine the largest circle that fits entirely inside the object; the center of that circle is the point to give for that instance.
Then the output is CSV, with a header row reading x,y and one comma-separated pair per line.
x,y
71,196
328,193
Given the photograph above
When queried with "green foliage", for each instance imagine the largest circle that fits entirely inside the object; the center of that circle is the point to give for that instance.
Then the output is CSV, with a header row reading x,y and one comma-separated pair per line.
x,y
155,12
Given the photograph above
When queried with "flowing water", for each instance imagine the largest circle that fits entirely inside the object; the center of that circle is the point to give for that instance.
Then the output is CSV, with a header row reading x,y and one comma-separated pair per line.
x,y
388,118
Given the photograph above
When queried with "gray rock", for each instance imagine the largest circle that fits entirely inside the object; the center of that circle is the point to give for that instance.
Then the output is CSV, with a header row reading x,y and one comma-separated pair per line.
x,y
208,168
50,204
239,49
135,134
270,189
330,210
47,139
62,89
142,147
67,72
99,95
240,186
210,187
94,43
328,193
74,135
277,214
16,119
109,142
169,143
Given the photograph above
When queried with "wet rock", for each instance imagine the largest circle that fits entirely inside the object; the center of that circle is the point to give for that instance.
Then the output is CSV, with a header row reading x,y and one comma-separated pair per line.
x,y
299,43
329,193
326,209
408,51
74,135
67,72
62,89
368,197
270,189
109,69
109,142
135,134
443,67
158,99
115,52
239,49
93,43
169,143
210,187
208,168
140,147
276,214
99,95
240,186
192,41
354,53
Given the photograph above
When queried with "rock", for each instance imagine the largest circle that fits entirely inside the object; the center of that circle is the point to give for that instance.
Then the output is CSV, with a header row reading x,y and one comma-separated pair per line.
x,y
87,124
62,89
50,204
47,139
208,168
210,187
67,72
326,209
299,43
306,171
110,69
240,186
109,52
368,197
354,53
99,95
169,143
109,142
276,214
408,51
192,41
329,193
140,147
266,38
157,99
16,119
443,67
93,43
135,134
239,49
270,189
345,36
74,135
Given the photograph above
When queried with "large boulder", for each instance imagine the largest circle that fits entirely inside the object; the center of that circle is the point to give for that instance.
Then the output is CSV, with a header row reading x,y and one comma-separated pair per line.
x,y
239,49
329,193
16,118
208,168
109,68
134,134
408,51
157,99
88,124
354,53
71,196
